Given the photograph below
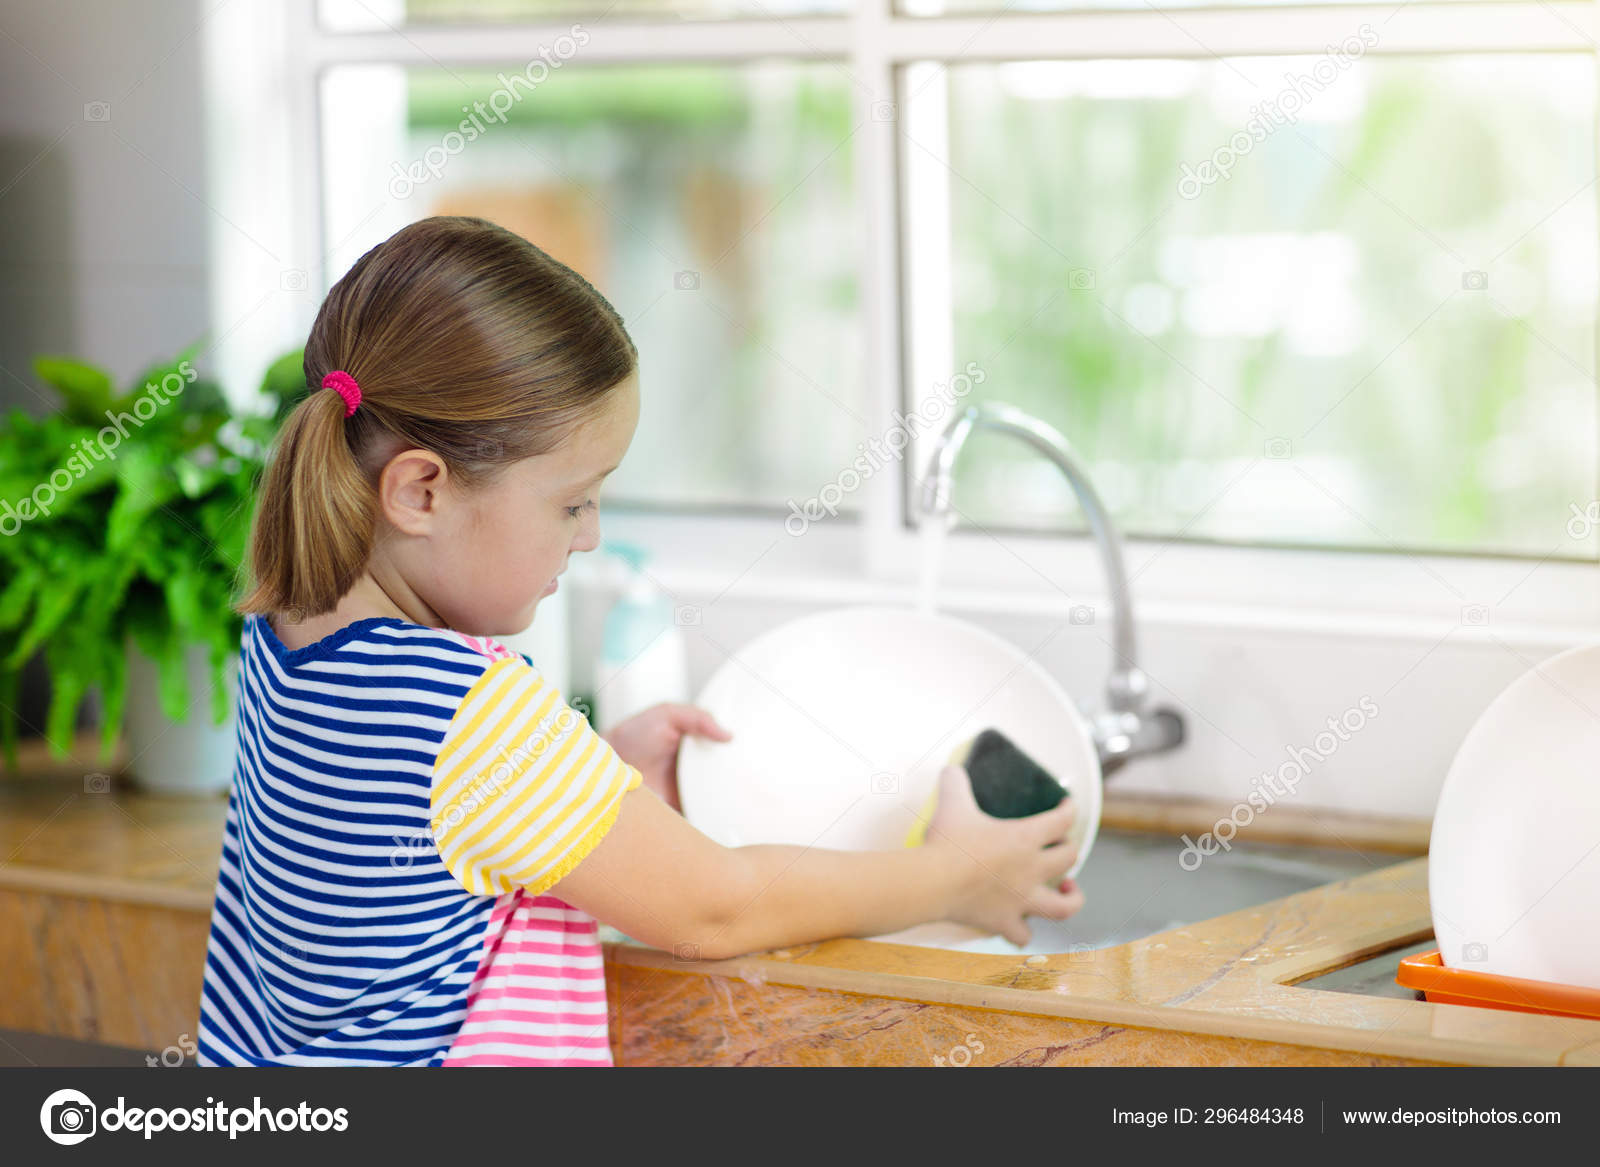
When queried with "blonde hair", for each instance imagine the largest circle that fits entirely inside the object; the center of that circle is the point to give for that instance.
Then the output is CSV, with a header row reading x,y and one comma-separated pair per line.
x,y
466,340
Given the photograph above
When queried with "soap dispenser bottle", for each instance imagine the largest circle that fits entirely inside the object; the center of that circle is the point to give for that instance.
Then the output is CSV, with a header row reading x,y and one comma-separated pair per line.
x,y
643,661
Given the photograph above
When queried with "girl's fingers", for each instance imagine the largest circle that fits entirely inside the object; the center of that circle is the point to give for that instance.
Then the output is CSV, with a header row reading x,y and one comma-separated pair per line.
x,y
1055,905
700,722
1018,932
1058,860
1051,826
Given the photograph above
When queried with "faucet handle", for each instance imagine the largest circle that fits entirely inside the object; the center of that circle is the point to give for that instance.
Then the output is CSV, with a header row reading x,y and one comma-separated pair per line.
x,y
1127,689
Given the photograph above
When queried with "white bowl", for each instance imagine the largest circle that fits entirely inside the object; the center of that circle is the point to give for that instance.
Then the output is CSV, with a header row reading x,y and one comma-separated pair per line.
x,y
1514,861
842,721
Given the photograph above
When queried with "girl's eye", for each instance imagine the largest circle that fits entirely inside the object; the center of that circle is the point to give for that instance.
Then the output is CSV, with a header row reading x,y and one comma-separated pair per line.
x,y
574,512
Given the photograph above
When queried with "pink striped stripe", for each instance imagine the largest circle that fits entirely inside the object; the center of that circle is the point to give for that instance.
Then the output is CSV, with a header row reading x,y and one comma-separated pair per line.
x,y
521,930
572,996
549,948
538,1040
560,927
502,970
484,1016
513,1060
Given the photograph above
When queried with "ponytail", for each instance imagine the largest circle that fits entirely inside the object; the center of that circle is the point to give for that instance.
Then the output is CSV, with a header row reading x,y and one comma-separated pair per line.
x,y
314,522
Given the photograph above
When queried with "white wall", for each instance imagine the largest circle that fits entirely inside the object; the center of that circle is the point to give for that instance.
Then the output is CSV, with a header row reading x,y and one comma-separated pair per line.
x,y
103,223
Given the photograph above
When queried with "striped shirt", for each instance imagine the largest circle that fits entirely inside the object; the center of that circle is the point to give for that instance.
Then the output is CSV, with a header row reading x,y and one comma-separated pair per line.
x,y
403,800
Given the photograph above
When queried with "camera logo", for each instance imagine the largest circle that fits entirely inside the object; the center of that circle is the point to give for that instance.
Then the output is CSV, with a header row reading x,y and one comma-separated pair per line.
x,y
67,1117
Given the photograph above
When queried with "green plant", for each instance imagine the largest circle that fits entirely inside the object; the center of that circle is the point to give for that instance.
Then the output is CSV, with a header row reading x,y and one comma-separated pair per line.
x,y
124,517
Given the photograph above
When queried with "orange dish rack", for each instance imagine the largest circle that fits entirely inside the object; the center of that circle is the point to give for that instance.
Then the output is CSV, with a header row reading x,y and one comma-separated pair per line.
x,y
1459,986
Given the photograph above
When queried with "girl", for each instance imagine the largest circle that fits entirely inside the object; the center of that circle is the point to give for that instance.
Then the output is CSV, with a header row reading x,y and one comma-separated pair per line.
x,y
421,834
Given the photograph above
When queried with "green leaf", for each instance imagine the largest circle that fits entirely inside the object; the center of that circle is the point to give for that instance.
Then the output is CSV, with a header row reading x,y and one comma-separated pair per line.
x,y
18,595
285,384
164,646
86,390
259,430
143,486
174,684
67,687
194,479
53,607
226,519
183,601
113,692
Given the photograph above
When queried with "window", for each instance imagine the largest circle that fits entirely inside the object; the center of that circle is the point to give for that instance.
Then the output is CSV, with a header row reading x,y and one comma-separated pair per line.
x,y
1333,300
357,14
711,204
1318,277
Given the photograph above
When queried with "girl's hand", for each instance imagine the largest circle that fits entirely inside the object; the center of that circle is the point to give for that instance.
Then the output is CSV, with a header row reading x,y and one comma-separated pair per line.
x,y
649,741
1010,868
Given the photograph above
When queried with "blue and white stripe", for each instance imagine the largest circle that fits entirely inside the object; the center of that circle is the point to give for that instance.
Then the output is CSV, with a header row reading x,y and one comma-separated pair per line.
x,y
338,937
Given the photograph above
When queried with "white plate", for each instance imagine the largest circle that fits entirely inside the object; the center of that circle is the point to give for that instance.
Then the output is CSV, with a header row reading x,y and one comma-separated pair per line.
x,y
1514,861
842,721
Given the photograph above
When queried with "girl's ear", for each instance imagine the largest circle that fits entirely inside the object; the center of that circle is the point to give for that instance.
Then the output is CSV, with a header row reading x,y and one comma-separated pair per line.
x,y
410,490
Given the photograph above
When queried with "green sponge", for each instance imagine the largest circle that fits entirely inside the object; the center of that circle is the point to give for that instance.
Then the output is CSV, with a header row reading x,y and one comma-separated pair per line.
x,y
1006,783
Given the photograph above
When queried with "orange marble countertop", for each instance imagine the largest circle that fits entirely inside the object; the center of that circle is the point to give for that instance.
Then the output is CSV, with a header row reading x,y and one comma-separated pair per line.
x,y
1233,975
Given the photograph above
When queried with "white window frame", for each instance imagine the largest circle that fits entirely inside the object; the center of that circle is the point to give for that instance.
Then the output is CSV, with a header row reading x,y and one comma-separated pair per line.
x,y
875,554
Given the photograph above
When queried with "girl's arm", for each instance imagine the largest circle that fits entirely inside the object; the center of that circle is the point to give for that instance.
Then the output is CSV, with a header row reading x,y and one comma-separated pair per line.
x,y
662,882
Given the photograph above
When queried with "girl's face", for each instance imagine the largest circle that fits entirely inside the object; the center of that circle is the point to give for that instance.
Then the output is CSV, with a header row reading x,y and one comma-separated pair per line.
x,y
489,555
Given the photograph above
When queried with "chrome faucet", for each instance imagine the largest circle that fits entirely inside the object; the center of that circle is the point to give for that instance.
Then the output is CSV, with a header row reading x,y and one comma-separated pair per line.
x,y
1126,728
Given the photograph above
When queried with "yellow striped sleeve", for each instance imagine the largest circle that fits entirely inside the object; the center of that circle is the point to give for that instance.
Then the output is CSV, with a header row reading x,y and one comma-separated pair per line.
x,y
523,788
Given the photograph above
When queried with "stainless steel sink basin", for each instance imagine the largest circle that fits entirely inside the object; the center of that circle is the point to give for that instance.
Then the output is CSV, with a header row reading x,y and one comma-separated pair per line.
x,y
1373,977
1135,887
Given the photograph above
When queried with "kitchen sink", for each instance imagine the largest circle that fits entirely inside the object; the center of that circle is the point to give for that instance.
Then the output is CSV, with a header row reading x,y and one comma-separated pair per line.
x,y
1135,887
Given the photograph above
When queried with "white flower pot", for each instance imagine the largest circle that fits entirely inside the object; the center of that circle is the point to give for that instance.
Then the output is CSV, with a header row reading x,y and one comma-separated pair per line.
x,y
192,758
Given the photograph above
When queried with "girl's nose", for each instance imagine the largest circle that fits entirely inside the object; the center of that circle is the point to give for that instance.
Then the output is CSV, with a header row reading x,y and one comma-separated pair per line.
x,y
588,534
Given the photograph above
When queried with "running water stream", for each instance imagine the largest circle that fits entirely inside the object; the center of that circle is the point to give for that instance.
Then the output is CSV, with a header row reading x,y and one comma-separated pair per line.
x,y
933,529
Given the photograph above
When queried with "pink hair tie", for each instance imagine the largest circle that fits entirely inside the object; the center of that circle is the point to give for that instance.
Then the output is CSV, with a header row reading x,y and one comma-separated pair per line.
x,y
345,386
